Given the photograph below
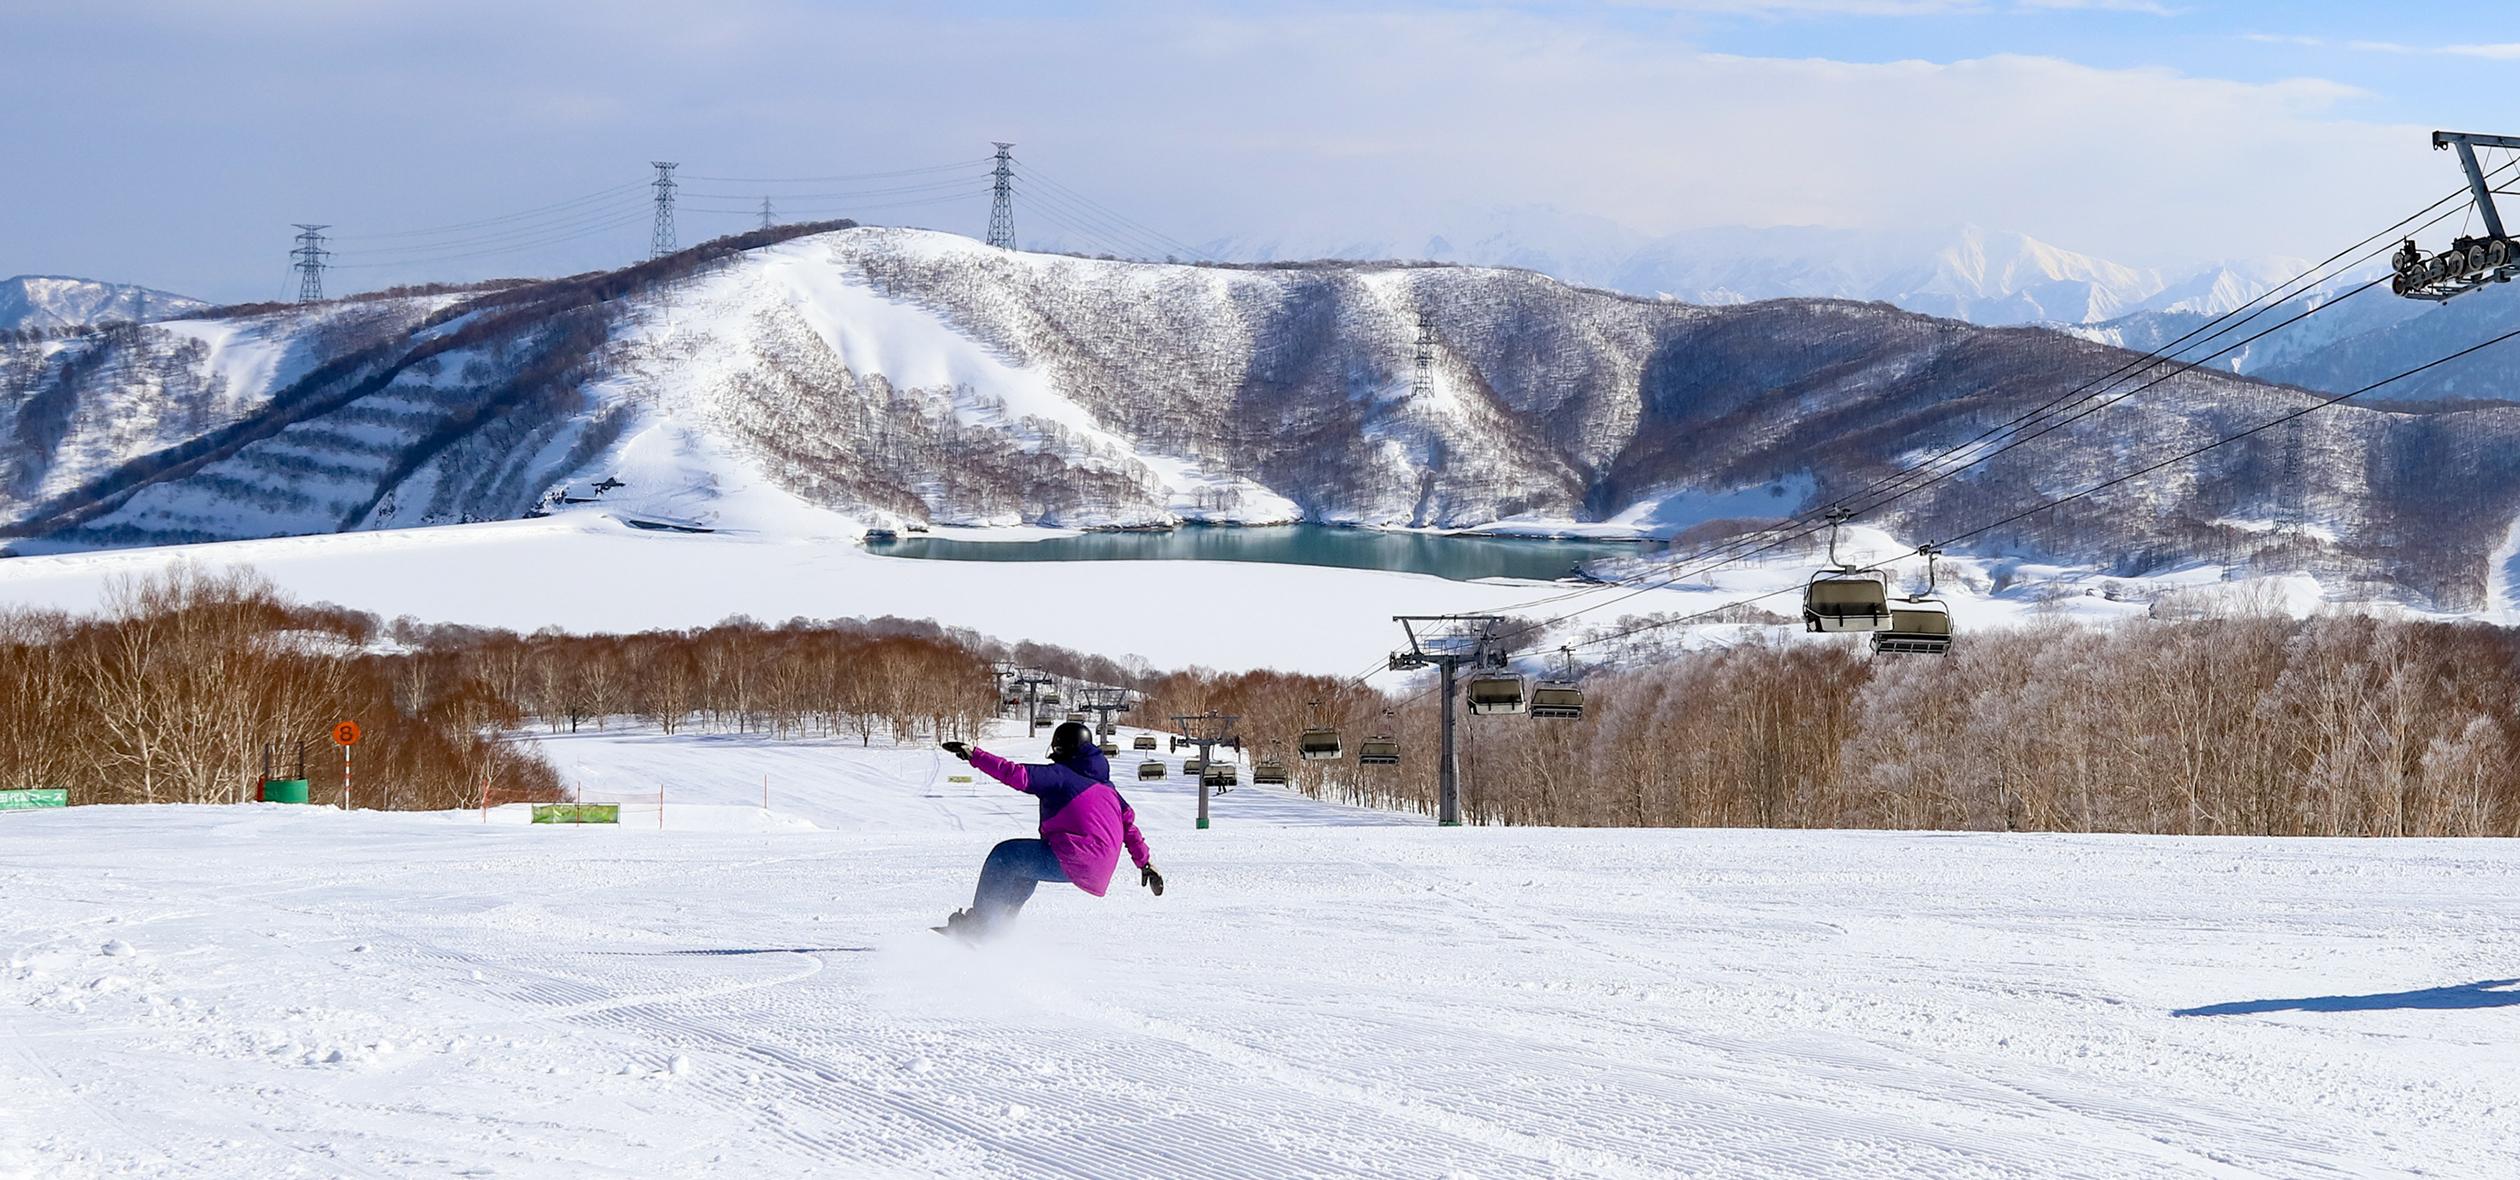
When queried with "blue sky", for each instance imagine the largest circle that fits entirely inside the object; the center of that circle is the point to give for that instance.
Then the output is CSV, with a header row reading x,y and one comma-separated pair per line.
x,y
174,143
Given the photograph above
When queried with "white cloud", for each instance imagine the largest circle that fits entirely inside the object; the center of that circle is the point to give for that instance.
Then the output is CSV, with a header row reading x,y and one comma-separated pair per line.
x,y
2496,51
1201,121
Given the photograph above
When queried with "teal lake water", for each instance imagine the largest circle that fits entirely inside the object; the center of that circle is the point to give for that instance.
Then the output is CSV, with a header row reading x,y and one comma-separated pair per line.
x,y
1457,558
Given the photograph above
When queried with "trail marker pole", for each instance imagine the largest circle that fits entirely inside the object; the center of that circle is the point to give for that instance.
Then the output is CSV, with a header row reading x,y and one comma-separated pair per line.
x,y
345,735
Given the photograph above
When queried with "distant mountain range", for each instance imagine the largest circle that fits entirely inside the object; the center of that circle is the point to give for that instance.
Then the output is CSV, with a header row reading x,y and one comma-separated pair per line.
x,y
1965,272
55,301
897,375
1986,277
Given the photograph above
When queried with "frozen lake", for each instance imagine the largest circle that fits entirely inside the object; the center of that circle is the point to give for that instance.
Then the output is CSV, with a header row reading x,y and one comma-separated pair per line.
x,y
1459,558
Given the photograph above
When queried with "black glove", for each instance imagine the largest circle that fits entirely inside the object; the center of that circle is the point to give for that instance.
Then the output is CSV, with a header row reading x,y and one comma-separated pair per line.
x,y
960,750
1148,877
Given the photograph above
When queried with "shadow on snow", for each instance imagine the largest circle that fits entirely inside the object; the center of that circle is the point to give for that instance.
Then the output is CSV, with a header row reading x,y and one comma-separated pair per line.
x,y
2484,993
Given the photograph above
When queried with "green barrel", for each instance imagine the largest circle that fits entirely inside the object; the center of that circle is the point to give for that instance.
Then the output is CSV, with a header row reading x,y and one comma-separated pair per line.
x,y
284,790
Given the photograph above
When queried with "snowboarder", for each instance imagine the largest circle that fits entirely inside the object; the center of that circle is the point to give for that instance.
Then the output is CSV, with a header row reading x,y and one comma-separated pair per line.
x,y
1084,825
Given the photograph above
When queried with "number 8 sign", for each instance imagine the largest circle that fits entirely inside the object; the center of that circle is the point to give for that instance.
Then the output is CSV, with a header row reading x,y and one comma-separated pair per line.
x,y
346,734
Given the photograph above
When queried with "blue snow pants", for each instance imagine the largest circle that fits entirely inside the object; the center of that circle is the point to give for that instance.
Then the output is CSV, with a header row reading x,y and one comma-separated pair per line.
x,y
1008,877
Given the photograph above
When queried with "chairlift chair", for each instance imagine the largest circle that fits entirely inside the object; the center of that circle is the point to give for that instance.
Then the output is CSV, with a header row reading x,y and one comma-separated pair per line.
x,y
1110,749
1845,597
1562,697
1150,769
1143,741
1498,692
1379,749
1920,624
1218,774
1319,742
1847,600
1269,772
1193,766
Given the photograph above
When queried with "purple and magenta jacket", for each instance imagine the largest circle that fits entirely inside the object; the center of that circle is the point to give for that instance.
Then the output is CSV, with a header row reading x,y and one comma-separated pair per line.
x,y
1083,817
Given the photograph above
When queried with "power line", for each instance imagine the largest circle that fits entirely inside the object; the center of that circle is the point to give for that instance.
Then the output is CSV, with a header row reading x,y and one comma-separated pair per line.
x,y
1175,245
958,184
620,222
523,214
635,209
846,176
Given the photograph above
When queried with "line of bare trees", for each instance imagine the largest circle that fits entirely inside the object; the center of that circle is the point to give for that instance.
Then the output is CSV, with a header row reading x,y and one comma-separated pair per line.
x,y
187,681
2249,725
805,678
2257,726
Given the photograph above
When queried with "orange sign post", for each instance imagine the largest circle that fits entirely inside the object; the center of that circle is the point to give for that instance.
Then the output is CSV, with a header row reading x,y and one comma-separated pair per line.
x,y
345,735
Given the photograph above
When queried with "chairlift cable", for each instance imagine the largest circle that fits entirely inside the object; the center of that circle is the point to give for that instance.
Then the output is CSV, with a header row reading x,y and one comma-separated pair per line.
x,y
2139,362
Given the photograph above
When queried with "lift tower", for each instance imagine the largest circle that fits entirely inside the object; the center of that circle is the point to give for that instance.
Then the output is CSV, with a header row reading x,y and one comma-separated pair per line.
x,y
1449,643
1207,731
1102,703
1032,681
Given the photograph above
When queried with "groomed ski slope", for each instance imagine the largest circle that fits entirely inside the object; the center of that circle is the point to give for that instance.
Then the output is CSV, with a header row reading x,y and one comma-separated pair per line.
x,y
266,991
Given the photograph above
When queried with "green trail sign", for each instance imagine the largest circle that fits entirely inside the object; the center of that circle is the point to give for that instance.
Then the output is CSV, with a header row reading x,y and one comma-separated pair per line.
x,y
29,800
577,813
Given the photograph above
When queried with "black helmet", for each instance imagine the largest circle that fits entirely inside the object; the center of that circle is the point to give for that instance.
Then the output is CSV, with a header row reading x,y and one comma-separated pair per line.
x,y
1070,737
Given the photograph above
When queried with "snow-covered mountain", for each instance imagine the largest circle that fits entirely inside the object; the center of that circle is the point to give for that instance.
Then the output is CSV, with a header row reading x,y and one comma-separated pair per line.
x,y
53,301
921,376
1966,272
2347,335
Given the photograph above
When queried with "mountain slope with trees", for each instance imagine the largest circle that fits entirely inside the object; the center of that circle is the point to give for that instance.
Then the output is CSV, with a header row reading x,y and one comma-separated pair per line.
x,y
899,375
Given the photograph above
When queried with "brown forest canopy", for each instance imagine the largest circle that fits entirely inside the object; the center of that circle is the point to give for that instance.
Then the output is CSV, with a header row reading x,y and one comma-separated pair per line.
x,y
2257,725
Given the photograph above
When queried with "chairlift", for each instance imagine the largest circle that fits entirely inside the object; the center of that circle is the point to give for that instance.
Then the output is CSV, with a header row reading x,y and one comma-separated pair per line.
x,y
1193,766
1110,749
1143,741
1269,772
1319,742
1845,597
1562,697
1150,769
1218,775
1920,624
1380,749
